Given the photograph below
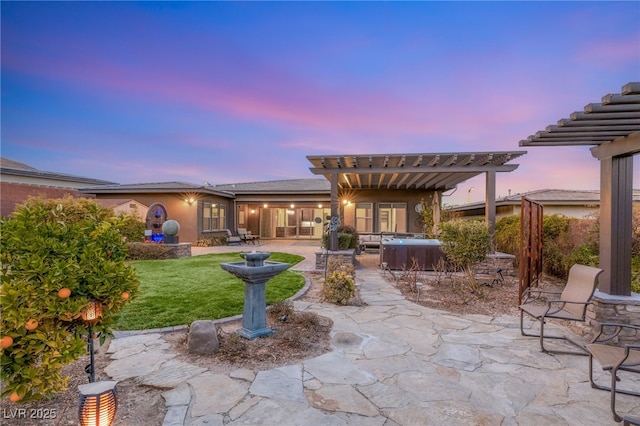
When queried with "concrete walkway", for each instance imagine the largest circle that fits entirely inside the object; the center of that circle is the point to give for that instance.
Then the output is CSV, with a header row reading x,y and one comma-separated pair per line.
x,y
393,363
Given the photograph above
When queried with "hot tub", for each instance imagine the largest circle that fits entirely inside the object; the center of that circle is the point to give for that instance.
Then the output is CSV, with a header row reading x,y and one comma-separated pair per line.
x,y
398,252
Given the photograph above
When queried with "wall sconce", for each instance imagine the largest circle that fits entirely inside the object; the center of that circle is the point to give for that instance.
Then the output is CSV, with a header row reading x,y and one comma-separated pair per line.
x,y
91,314
189,201
265,205
293,206
98,403
252,211
319,206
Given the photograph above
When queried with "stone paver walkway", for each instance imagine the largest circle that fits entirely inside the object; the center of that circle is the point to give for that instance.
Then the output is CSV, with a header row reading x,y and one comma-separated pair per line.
x,y
393,363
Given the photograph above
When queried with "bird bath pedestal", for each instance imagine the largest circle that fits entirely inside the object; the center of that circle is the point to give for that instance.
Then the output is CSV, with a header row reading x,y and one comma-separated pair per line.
x,y
255,273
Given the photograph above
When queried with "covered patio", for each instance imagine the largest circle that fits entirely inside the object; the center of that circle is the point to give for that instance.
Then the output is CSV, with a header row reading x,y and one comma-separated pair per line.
x,y
427,172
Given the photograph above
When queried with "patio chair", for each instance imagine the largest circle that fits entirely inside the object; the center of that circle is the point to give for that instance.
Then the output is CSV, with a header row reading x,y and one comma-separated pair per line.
x,y
233,239
246,236
613,358
570,304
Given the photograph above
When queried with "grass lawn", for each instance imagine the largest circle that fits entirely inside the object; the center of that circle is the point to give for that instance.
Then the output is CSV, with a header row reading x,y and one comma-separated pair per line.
x,y
180,291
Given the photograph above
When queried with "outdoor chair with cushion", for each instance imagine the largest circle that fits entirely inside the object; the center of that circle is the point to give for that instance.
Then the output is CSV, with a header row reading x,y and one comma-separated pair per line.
x,y
233,239
246,236
614,358
570,304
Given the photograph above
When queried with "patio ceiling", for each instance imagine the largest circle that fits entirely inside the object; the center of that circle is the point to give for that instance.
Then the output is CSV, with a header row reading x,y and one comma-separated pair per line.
x,y
617,116
426,171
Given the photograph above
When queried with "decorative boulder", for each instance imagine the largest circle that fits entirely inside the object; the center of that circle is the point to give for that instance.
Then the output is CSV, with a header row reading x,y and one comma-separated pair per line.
x,y
170,229
203,338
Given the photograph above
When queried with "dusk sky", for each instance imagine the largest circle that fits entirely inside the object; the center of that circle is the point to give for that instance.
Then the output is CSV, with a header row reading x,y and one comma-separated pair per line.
x,y
229,92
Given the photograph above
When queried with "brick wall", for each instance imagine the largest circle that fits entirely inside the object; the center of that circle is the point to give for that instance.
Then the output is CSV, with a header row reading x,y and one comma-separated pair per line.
x,y
12,194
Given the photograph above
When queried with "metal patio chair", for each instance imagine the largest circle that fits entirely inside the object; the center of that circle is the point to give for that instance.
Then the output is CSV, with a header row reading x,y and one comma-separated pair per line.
x,y
570,304
614,358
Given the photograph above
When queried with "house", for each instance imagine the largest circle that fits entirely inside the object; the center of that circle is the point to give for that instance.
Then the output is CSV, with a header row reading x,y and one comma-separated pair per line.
x,y
571,203
373,193
19,181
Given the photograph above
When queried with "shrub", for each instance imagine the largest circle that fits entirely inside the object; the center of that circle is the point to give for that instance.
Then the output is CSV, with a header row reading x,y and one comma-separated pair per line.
x,y
339,288
507,235
211,241
55,257
465,242
131,228
345,241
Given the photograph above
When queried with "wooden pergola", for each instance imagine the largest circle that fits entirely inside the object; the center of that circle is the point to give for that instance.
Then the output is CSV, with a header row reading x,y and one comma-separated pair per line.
x,y
426,171
612,129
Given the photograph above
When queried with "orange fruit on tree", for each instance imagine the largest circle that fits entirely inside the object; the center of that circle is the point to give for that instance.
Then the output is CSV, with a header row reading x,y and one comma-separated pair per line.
x,y
6,341
125,295
64,292
14,397
31,324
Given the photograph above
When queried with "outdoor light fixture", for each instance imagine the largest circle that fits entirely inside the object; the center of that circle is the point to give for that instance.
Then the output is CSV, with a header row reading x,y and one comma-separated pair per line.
x,y
265,205
319,206
97,403
293,206
189,201
91,314
253,211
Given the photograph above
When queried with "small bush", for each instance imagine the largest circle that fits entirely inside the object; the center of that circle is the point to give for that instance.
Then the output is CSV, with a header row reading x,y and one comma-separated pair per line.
x,y
147,251
131,228
466,242
339,288
211,241
345,241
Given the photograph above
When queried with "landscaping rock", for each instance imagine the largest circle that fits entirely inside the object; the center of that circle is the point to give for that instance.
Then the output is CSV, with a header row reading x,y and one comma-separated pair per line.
x,y
203,338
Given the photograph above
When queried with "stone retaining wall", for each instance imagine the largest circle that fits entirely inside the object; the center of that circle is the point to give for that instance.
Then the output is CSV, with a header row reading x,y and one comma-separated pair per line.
x,y
607,308
348,256
496,261
178,250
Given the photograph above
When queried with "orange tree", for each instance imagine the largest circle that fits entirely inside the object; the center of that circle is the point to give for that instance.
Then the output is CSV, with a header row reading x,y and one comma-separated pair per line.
x,y
55,257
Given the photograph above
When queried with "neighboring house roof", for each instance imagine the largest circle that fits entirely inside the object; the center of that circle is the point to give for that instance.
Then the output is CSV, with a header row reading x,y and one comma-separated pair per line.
x,y
296,186
113,202
13,171
549,197
155,187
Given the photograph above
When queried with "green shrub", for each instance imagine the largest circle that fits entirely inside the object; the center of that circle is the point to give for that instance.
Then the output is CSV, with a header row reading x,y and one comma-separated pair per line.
x,y
49,247
465,242
345,241
147,251
339,288
131,228
507,235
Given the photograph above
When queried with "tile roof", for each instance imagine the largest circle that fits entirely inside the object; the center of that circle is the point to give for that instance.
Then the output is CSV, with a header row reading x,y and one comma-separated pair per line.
x,y
297,186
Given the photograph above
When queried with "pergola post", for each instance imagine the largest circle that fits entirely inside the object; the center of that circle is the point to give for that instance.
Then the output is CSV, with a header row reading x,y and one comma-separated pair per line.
x,y
490,205
335,205
616,197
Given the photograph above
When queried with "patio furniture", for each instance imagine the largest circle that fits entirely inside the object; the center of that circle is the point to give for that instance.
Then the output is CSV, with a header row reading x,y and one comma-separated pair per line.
x,y
246,236
614,358
570,304
628,421
233,239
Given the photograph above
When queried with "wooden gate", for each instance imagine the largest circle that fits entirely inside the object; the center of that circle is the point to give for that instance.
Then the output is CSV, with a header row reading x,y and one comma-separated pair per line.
x,y
531,214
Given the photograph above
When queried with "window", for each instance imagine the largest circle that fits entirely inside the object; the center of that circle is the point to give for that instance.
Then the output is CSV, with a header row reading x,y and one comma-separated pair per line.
x,y
213,216
364,217
392,217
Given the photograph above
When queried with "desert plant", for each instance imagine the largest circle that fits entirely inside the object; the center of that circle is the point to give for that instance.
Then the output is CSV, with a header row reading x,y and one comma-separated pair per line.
x,y
56,256
466,242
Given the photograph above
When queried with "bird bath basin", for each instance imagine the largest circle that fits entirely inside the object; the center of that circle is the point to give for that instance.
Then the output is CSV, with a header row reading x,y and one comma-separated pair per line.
x,y
255,273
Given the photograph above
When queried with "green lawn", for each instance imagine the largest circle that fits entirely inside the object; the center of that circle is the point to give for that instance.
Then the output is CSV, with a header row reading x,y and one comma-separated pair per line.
x,y
180,291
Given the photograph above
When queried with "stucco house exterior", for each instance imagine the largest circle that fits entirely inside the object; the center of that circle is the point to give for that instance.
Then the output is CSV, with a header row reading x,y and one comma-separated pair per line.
x,y
571,203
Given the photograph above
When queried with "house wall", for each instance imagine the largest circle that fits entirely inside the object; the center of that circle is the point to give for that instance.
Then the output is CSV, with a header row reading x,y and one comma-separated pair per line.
x,y
410,197
14,194
188,216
